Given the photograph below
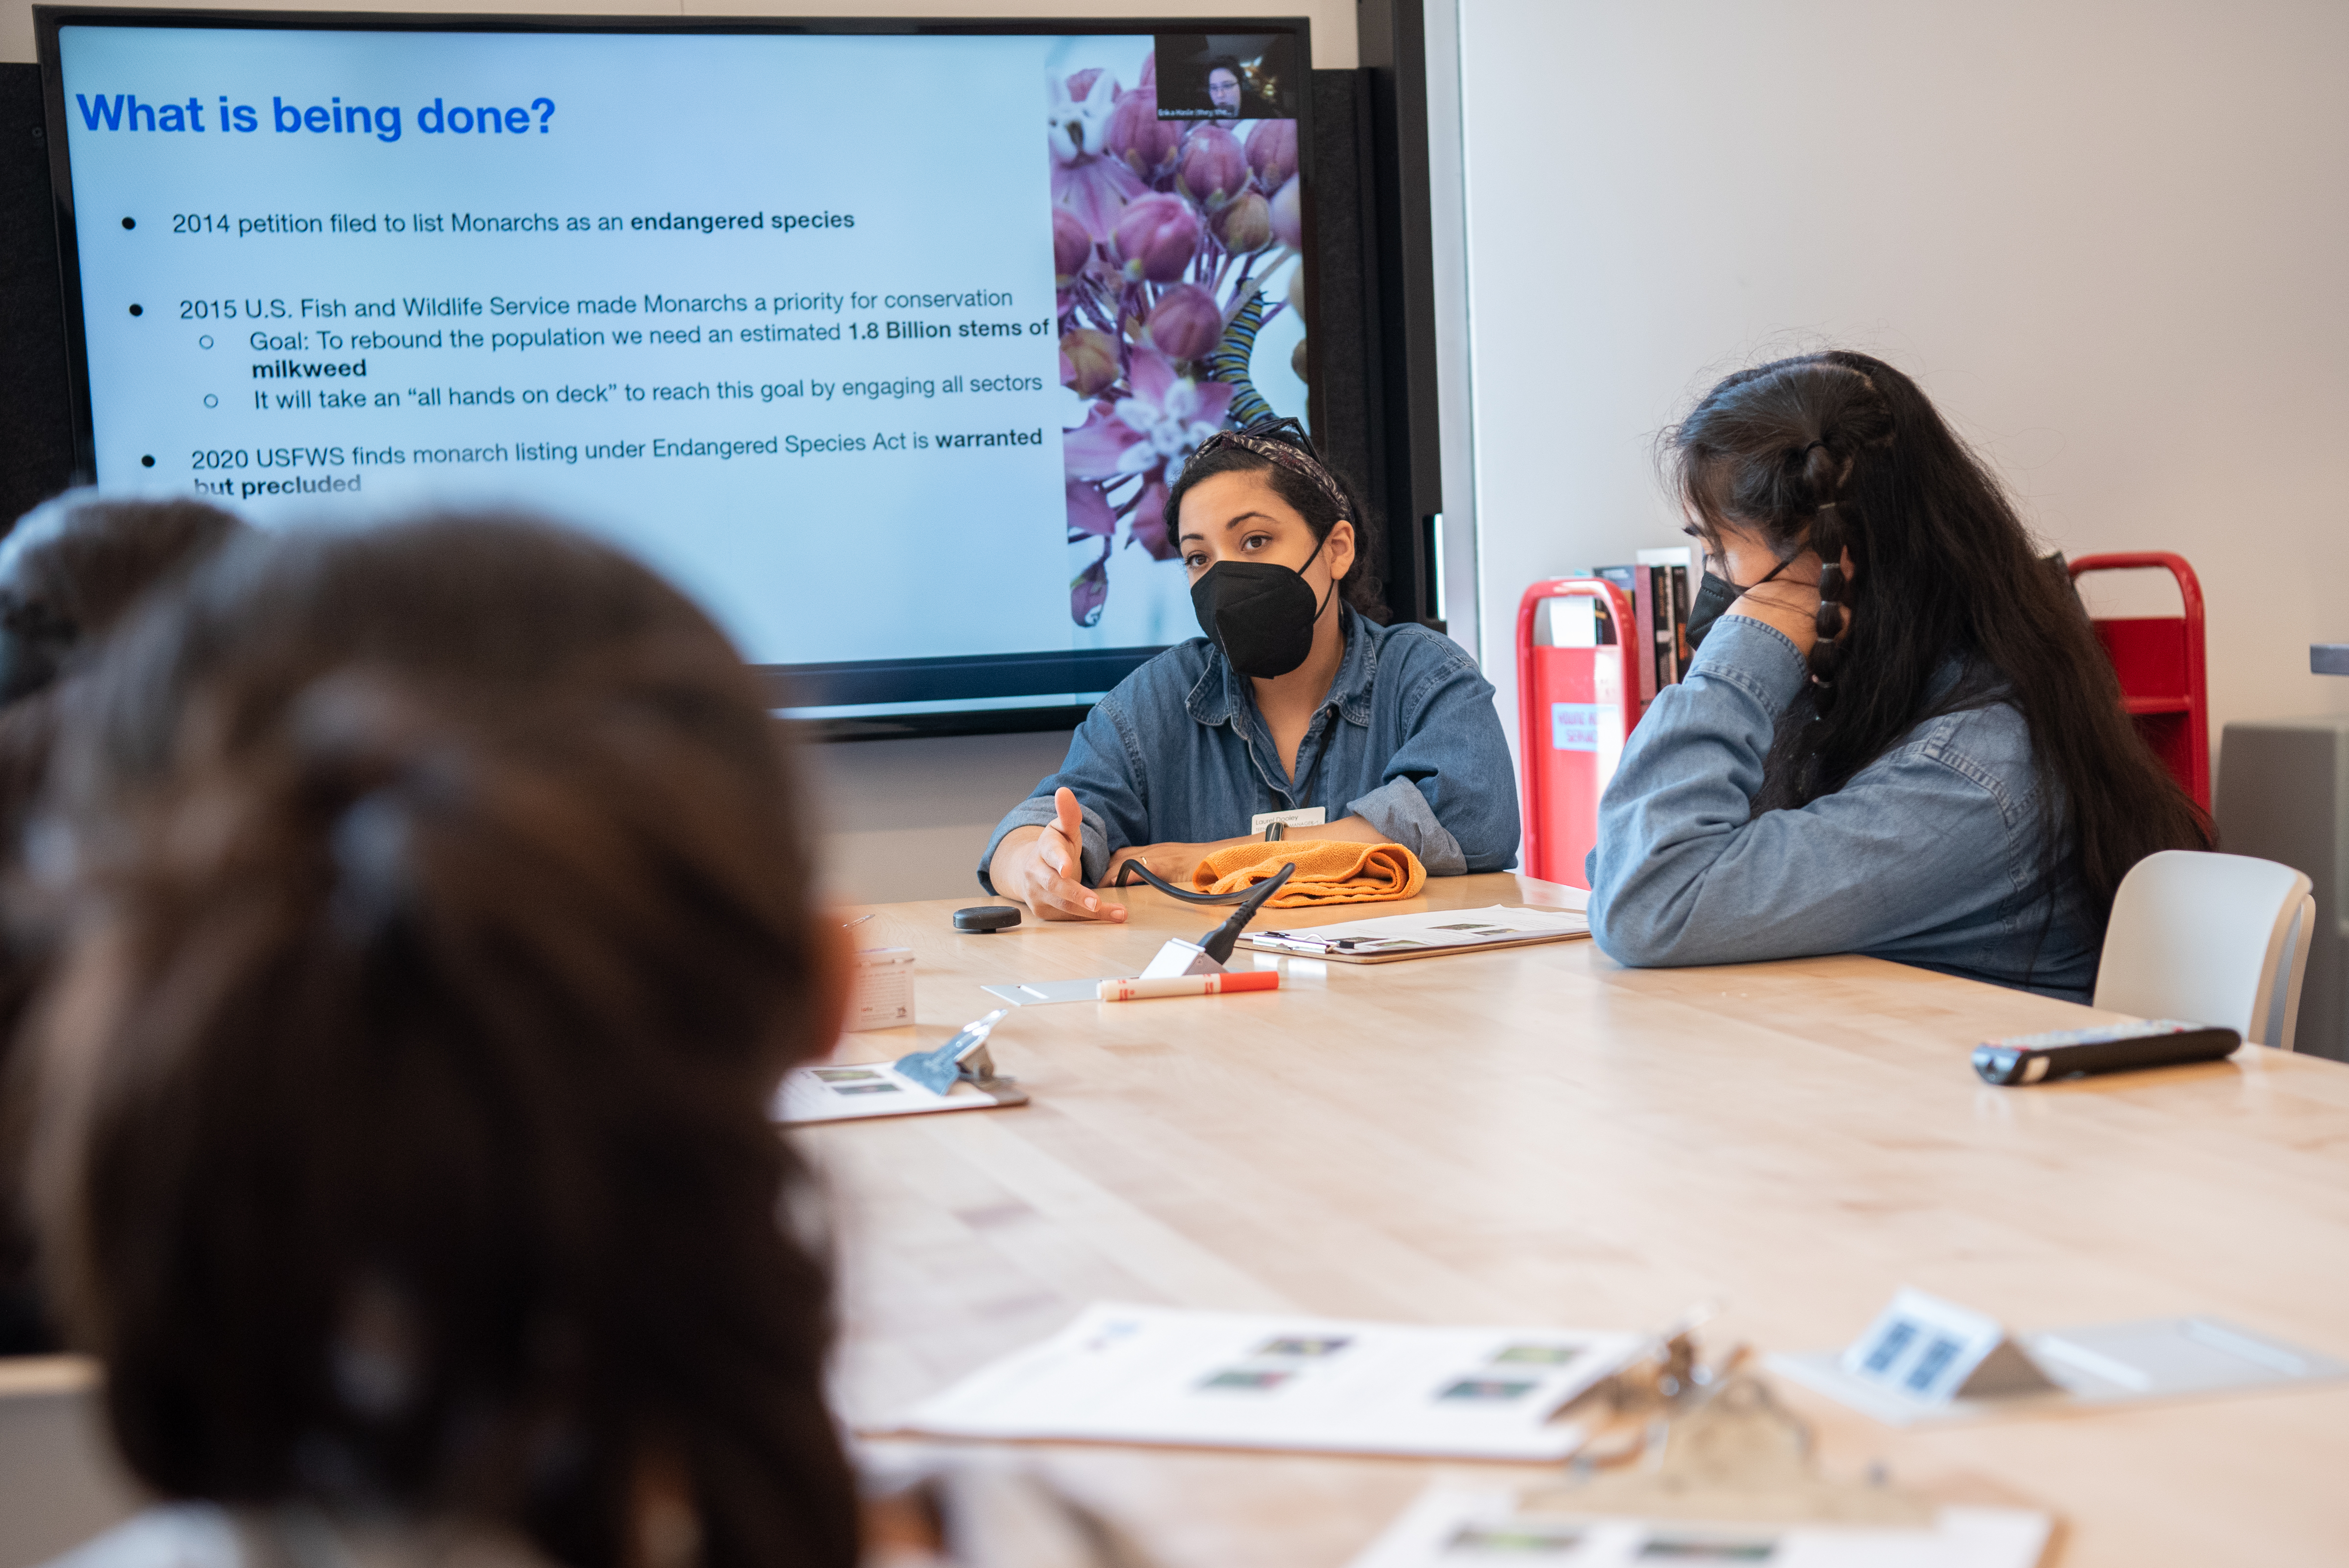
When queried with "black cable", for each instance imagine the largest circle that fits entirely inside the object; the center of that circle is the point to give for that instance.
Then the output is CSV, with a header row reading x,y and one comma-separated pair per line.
x,y
1170,890
1218,944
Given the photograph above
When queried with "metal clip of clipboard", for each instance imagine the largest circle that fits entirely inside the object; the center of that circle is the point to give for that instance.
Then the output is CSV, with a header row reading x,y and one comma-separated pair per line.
x,y
964,1059
1304,943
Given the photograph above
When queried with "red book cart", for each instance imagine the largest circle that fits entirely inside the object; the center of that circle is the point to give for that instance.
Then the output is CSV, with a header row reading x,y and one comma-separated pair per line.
x,y
2159,661
1576,707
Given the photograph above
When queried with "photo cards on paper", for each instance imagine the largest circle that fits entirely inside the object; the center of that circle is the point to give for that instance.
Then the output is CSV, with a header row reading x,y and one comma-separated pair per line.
x,y
853,1091
1455,1527
1163,1375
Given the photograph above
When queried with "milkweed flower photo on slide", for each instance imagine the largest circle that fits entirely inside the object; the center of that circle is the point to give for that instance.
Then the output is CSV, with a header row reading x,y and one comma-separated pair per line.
x,y
1174,242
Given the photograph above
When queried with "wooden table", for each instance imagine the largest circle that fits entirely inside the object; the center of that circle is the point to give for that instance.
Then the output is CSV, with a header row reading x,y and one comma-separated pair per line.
x,y
1541,1136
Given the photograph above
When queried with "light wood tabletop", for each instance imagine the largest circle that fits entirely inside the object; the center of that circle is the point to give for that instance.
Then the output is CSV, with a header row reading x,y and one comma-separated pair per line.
x,y
1542,1136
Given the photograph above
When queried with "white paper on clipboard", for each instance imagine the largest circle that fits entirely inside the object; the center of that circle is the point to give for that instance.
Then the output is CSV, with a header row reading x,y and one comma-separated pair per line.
x,y
1260,1380
853,1091
1453,1527
1422,934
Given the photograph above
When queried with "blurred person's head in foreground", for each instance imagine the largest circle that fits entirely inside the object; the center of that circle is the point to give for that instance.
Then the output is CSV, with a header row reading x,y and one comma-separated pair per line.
x,y
70,571
440,920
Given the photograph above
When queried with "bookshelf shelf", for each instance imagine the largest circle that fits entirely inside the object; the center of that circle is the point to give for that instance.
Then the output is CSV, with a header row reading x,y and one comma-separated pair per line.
x,y
2158,704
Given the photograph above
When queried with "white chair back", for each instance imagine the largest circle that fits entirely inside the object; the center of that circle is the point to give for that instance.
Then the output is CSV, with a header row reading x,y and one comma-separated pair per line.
x,y
2211,939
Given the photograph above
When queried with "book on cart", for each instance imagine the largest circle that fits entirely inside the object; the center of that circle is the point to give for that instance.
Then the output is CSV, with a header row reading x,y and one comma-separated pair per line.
x,y
1659,583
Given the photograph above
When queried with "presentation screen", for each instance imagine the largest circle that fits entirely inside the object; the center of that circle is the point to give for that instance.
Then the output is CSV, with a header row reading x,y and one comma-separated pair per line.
x,y
884,342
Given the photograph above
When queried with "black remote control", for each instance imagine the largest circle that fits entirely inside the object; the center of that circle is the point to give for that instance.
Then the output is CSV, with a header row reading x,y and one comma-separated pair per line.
x,y
2111,1048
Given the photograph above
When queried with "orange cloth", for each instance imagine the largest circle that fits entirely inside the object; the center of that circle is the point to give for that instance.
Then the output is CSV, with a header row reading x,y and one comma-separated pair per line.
x,y
1328,871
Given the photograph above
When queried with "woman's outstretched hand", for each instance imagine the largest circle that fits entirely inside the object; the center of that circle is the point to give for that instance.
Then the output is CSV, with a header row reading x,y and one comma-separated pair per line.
x,y
1044,868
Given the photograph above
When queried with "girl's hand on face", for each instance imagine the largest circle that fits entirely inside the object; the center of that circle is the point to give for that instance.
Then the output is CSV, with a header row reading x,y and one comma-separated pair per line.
x,y
1787,603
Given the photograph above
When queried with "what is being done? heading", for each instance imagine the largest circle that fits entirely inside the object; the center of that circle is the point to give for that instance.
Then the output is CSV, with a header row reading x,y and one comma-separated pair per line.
x,y
125,113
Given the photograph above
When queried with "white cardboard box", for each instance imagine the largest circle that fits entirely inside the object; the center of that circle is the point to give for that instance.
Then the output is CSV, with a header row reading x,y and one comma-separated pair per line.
x,y
881,989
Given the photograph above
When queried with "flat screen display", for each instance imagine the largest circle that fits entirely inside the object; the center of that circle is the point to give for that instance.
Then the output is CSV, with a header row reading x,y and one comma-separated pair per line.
x,y
882,343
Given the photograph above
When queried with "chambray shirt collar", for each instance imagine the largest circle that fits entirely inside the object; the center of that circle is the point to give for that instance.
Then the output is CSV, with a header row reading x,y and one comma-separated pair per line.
x,y
1221,693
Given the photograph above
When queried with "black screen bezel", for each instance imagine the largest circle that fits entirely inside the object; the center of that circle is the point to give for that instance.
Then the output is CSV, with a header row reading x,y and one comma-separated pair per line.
x,y
48,19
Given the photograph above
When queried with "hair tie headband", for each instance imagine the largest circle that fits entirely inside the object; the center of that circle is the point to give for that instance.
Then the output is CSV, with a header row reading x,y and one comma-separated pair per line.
x,y
1281,443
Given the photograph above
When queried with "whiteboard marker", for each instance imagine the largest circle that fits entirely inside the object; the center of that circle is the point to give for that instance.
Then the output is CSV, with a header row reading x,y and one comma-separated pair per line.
x,y
1189,985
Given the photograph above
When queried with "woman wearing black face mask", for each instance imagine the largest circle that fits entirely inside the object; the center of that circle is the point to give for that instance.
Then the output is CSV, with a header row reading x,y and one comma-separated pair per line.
x,y
1295,700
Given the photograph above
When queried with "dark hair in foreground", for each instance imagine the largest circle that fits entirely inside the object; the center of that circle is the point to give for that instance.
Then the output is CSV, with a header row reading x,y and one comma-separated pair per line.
x,y
440,927
1838,451
1322,496
69,571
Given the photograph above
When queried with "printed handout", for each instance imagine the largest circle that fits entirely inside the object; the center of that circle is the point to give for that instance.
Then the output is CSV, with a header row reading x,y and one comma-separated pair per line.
x,y
850,1091
1163,1375
1423,934
1455,1527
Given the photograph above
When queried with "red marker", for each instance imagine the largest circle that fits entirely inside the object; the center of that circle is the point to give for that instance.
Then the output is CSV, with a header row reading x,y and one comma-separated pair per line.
x,y
1190,985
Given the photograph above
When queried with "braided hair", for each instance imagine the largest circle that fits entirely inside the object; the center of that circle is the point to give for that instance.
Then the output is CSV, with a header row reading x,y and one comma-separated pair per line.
x,y
1840,453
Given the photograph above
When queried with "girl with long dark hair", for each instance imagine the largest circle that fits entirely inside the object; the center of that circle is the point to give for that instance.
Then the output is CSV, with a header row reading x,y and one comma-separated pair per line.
x,y
1900,736
440,921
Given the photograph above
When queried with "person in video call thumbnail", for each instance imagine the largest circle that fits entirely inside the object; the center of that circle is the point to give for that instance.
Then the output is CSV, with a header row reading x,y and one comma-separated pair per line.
x,y
1224,89
1297,697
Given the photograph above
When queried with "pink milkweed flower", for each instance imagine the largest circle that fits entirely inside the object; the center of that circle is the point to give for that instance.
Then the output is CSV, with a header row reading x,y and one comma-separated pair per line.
x,y
1089,590
1246,225
1289,216
1084,180
1272,152
1213,169
1089,361
1166,417
1152,528
1089,515
1185,323
1155,238
1146,143
1072,246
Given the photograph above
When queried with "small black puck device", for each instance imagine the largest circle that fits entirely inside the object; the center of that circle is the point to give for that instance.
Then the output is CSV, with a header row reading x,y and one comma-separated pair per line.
x,y
985,918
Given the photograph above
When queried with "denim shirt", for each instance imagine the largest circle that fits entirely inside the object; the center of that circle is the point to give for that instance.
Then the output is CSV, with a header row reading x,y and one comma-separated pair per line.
x,y
1929,856
1407,739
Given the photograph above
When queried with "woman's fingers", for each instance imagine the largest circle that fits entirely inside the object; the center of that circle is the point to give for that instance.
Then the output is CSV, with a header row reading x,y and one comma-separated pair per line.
x,y
1054,886
1057,898
1069,817
1056,853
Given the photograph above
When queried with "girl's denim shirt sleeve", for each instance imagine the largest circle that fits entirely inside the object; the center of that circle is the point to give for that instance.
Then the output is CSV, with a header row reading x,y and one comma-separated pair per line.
x,y
1928,856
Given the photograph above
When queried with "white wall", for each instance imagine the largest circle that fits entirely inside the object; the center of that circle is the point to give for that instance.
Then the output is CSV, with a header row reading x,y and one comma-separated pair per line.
x,y
1333,20
2110,239
905,819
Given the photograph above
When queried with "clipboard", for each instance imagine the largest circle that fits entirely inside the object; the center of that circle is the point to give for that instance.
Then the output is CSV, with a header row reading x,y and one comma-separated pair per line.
x,y
1427,933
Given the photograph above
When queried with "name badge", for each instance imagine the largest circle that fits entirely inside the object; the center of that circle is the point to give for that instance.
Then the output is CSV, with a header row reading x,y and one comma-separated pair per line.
x,y
1311,816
